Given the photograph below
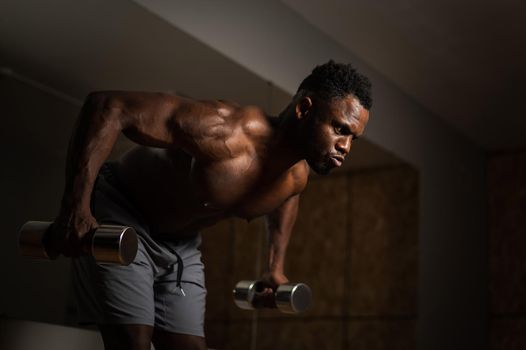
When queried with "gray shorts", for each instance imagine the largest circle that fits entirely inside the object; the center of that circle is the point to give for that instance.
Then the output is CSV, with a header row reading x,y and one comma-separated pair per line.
x,y
163,287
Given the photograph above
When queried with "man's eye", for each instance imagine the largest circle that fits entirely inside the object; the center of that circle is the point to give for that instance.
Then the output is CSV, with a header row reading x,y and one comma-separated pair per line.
x,y
338,129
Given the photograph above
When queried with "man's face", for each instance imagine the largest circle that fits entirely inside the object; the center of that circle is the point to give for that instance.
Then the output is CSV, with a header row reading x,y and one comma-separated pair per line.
x,y
331,128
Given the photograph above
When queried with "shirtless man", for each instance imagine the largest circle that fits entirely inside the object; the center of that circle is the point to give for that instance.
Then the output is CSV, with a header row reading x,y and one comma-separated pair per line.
x,y
197,162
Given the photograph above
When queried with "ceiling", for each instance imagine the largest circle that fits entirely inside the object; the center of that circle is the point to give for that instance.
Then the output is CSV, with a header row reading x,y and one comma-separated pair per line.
x,y
462,60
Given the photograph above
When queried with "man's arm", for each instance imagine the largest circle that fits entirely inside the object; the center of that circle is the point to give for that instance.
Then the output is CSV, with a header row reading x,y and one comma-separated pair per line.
x,y
149,119
280,223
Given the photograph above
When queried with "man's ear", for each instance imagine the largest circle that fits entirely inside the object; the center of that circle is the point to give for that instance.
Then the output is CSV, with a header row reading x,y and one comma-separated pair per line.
x,y
303,107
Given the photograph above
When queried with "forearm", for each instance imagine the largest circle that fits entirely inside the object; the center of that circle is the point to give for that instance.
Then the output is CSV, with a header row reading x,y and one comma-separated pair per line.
x,y
93,138
280,224
278,243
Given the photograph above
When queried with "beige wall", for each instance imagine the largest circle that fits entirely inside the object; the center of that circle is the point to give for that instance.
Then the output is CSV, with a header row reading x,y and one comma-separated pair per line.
x,y
355,243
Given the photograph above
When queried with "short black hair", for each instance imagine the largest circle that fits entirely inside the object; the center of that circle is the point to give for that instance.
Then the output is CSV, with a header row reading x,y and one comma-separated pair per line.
x,y
337,80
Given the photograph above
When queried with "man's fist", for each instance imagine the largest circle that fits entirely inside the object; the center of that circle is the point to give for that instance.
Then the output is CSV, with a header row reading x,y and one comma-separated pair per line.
x,y
68,233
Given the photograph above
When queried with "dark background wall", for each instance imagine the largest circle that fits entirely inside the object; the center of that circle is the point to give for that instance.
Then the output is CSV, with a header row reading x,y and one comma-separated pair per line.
x,y
34,132
507,250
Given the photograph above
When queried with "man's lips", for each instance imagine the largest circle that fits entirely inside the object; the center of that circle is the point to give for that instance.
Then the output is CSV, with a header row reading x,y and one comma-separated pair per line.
x,y
337,160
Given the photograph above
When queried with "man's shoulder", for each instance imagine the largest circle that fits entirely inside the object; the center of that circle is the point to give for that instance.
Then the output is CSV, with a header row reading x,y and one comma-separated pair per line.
x,y
253,122
208,118
232,115
251,119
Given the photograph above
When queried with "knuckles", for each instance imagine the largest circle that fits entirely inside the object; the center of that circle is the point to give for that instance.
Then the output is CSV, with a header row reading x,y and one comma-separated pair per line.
x,y
68,233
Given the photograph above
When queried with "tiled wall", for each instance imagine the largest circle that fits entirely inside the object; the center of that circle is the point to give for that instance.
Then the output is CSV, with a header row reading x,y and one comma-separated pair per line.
x,y
507,250
354,243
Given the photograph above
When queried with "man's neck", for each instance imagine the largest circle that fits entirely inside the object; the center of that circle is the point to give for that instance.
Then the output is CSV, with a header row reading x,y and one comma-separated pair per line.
x,y
283,151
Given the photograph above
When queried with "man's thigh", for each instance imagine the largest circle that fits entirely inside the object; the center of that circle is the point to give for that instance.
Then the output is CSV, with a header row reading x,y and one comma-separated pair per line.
x,y
180,312
112,294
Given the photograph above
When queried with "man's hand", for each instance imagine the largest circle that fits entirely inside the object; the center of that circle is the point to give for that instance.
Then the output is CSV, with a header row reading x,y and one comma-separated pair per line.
x,y
266,287
68,233
273,279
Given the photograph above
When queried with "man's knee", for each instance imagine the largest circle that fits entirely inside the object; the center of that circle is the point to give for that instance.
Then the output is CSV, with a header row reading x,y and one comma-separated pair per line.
x,y
134,337
164,340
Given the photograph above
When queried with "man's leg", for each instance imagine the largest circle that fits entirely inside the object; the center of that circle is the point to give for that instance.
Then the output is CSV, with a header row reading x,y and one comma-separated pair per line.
x,y
127,337
164,340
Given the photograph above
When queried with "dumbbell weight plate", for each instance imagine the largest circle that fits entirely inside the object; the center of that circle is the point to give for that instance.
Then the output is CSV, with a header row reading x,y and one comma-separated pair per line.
x,y
293,297
113,244
244,292
30,239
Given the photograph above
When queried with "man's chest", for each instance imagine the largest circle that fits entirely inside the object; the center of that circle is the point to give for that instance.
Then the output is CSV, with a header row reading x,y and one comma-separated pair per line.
x,y
244,186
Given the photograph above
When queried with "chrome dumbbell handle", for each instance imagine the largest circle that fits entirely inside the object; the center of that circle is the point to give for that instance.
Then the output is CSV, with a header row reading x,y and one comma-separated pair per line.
x,y
109,244
288,298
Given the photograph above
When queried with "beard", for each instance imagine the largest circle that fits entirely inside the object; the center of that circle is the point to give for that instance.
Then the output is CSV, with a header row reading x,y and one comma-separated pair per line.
x,y
318,160
321,164
320,168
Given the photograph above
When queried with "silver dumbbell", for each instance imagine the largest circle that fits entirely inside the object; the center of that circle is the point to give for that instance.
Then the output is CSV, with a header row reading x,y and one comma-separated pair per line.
x,y
288,298
109,244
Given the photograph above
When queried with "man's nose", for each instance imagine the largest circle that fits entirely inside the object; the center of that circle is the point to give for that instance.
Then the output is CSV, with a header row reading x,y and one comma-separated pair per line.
x,y
344,145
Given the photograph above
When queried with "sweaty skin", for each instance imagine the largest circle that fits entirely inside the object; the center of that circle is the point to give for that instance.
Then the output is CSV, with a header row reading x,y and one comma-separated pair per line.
x,y
198,162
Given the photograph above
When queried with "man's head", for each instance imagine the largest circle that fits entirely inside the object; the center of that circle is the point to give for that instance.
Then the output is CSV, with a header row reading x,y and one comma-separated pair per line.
x,y
332,106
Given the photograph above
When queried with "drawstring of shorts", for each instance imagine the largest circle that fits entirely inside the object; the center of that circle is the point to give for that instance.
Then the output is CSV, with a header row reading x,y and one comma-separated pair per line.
x,y
180,267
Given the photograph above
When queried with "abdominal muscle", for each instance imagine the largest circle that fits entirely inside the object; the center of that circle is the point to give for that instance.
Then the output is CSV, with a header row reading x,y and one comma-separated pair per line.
x,y
160,187
178,197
